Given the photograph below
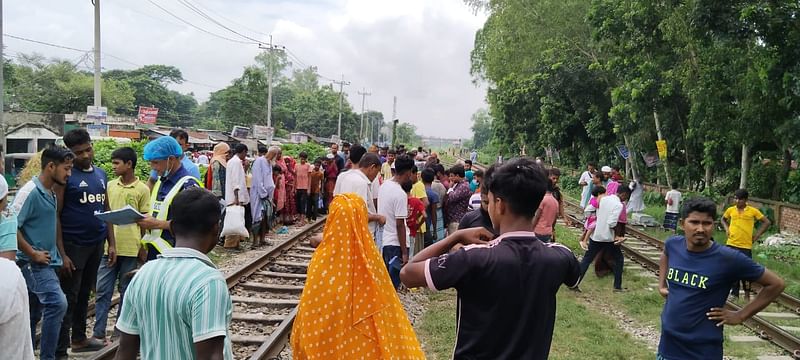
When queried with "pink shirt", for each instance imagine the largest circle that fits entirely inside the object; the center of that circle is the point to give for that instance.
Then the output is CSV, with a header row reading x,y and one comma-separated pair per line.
x,y
302,182
549,212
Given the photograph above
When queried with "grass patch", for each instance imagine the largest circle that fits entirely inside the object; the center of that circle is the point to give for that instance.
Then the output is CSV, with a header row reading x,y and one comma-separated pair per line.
x,y
642,302
780,259
580,332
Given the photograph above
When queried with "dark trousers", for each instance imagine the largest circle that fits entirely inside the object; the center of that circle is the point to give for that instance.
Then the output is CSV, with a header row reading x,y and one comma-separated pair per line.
x,y
389,252
594,248
745,284
312,208
77,287
301,197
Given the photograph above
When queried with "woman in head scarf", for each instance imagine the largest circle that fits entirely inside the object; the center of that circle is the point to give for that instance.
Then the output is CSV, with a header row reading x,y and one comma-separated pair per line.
x,y
215,178
349,308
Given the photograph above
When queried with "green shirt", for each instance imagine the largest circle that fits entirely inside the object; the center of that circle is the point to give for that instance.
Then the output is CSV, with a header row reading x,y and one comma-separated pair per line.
x,y
175,301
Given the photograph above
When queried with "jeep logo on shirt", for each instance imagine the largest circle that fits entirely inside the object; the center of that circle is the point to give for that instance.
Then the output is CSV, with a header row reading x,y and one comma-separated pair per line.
x,y
93,198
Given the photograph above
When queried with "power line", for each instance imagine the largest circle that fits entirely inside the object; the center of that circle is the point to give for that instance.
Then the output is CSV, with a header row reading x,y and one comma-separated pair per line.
x,y
209,18
45,43
234,22
85,52
199,28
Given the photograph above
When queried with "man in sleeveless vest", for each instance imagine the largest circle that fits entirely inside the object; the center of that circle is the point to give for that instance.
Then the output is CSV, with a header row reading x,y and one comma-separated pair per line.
x,y
164,155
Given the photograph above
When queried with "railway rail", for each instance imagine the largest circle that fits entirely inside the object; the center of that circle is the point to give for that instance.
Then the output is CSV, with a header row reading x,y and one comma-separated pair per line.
x,y
780,328
645,250
265,294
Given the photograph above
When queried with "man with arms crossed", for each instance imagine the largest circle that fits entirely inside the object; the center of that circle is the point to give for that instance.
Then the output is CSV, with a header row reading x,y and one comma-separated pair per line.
x,y
695,274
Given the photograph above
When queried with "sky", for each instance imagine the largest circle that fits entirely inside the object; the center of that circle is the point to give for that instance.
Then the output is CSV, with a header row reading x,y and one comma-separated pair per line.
x,y
417,50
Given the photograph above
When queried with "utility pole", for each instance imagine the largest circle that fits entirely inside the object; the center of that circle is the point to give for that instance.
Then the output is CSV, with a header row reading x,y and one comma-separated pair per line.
x,y
341,99
364,95
270,62
2,95
97,95
394,122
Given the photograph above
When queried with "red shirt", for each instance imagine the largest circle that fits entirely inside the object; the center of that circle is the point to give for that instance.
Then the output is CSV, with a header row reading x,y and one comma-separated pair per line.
x,y
415,209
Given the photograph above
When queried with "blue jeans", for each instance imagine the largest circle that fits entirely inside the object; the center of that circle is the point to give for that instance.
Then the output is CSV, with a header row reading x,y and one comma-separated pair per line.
x,y
106,279
390,251
46,298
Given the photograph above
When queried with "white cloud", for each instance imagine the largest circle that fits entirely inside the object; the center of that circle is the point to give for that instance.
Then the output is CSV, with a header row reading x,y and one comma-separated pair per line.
x,y
417,50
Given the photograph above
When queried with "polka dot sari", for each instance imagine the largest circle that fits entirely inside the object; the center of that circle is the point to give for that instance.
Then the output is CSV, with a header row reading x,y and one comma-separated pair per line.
x,y
349,309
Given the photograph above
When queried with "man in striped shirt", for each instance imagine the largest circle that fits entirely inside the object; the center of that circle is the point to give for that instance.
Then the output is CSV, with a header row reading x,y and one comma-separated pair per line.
x,y
178,306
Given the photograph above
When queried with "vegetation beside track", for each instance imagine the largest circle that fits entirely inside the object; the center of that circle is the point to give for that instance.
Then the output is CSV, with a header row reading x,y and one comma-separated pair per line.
x,y
780,259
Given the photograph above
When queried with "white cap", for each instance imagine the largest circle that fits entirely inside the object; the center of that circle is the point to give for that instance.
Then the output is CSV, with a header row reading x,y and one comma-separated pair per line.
x,y
3,187
606,169
329,156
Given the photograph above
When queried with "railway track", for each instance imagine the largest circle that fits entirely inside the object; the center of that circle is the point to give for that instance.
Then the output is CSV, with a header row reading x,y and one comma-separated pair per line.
x,y
781,326
779,323
265,294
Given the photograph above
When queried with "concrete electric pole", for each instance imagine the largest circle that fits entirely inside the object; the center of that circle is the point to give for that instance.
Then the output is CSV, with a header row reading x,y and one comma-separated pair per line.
x,y
364,95
270,63
97,69
2,93
341,99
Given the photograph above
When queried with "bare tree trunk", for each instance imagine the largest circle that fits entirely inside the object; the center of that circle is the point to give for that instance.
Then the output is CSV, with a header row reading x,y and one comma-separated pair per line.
x,y
787,165
708,177
631,157
745,166
658,131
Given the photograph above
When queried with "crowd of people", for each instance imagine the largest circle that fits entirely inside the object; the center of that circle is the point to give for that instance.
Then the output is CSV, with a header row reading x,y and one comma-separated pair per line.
x,y
396,219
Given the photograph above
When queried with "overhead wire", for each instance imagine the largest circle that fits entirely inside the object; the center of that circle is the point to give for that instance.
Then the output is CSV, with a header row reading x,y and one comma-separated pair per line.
x,y
209,18
234,22
199,28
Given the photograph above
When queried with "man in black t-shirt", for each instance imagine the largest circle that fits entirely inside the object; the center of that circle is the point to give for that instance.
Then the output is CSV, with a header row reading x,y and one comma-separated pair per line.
x,y
506,287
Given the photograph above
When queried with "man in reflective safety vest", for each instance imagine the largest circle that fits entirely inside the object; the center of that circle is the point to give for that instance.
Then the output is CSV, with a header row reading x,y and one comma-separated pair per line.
x,y
164,155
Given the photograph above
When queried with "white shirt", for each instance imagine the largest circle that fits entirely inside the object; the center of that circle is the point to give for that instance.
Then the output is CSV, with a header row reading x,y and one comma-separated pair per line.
x,y
607,217
676,197
586,177
202,159
393,204
355,181
235,180
15,323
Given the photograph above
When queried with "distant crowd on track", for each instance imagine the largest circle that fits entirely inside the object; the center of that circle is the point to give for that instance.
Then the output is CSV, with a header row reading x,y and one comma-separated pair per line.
x,y
396,219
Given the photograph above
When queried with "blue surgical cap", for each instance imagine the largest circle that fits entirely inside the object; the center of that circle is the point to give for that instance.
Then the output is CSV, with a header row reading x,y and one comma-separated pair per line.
x,y
162,148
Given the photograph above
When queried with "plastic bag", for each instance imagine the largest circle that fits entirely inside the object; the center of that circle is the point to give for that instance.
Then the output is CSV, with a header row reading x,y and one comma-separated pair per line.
x,y
234,222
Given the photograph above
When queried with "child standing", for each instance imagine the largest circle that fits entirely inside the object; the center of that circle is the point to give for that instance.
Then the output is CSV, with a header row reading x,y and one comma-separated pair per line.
x,y
415,219
126,190
673,201
598,192
302,183
314,186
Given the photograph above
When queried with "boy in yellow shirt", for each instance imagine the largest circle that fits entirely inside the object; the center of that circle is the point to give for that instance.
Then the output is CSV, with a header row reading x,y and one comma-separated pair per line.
x,y
122,191
739,221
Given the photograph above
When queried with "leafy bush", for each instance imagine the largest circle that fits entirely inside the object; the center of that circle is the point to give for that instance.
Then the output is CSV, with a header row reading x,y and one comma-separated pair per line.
x,y
102,157
762,179
791,193
313,150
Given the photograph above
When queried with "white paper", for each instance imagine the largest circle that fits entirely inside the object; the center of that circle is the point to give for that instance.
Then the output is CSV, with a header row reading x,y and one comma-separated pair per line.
x,y
125,216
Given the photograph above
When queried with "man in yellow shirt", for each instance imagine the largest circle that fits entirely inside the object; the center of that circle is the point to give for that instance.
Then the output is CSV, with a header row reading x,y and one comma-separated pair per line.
x,y
739,221
122,191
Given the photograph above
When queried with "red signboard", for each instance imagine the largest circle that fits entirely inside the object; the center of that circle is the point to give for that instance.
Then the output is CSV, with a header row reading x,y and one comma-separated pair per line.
x,y
147,115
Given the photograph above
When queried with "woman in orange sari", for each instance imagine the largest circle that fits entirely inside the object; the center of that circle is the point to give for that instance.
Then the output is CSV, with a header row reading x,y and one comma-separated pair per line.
x,y
349,308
